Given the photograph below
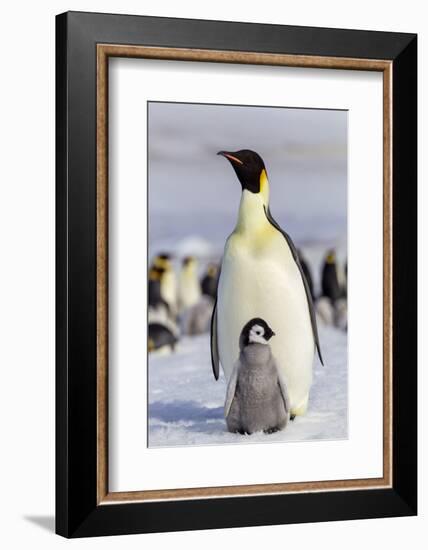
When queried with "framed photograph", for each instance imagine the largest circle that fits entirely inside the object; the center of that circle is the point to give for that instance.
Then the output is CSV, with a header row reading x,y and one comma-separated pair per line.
x,y
236,274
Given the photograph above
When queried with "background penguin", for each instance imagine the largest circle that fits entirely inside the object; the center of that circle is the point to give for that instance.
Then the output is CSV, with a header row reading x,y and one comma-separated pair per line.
x,y
189,289
325,311
158,308
341,314
160,338
330,287
197,319
261,276
332,306
341,306
345,279
209,282
257,397
168,282
307,272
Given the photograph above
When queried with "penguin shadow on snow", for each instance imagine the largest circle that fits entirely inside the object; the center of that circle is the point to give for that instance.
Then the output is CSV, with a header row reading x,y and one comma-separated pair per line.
x,y
199,417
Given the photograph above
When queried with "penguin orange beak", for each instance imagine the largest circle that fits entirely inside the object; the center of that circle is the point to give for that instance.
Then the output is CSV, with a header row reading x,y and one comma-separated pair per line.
x,y
230,157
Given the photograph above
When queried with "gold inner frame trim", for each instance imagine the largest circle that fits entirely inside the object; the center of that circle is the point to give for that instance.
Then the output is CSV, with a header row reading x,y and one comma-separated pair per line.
x,y
104,51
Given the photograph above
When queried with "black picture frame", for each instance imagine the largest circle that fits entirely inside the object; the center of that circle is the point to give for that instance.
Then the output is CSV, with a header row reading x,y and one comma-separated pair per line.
x,y
77,512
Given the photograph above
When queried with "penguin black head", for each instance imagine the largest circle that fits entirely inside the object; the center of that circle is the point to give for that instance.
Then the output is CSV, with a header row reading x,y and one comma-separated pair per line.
x,y
256,331
187,260
163,261
248,166
212,270
156,273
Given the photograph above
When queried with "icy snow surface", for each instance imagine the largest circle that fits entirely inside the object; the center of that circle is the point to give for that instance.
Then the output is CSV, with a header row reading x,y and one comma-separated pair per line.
x,y
186,403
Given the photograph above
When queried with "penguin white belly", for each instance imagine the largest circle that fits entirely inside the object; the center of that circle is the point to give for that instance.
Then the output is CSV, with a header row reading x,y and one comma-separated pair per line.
x,y
264,281
189,292
169,289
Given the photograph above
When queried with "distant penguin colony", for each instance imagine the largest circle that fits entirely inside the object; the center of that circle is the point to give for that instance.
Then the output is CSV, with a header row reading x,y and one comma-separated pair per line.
x,y
177,306
261,276
257,396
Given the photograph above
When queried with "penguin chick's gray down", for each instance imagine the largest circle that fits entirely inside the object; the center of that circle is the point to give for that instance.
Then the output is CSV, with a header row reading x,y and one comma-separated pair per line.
x,y
257,397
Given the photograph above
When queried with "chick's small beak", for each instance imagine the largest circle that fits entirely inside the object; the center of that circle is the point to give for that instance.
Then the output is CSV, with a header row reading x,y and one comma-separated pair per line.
x,y
230,157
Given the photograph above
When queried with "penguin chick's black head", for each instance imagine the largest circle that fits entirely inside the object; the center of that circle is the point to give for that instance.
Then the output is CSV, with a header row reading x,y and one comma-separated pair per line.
x,y
248,166
256,331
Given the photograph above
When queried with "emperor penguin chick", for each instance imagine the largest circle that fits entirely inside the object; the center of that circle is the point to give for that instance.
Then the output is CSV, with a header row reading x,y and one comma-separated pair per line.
x,y
257,396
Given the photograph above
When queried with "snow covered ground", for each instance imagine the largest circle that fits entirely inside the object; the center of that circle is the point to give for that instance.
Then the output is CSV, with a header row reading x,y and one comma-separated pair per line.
x,y
186,403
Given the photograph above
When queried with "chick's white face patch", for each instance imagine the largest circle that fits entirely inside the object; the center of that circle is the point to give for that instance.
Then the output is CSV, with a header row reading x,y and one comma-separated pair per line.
x,y
257,335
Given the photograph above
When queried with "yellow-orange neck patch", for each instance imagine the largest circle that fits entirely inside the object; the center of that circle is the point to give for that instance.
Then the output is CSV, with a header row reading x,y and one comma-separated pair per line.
x,y
264,186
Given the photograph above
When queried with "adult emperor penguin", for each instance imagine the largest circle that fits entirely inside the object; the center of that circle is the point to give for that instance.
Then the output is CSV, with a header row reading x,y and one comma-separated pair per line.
x,y
189,289
158,307
261,276
330,283
159,310
168,282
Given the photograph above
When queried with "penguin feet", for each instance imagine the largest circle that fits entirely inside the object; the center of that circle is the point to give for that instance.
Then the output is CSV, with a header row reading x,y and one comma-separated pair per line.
x,y
271,430
300,409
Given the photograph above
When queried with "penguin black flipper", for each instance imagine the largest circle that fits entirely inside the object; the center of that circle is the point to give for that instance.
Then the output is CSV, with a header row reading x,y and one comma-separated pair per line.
x,y
305,282
215,361
231,389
